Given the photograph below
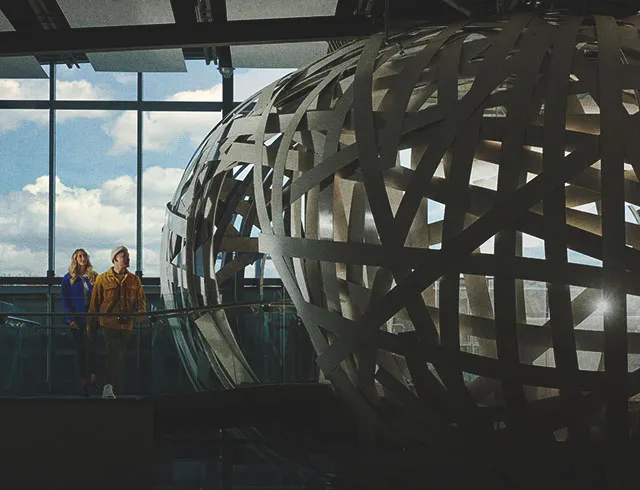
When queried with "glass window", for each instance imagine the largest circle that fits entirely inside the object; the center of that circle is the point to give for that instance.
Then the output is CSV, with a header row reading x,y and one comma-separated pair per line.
x,y
24,192
25,88
201,83
169,141
86,84
96,191
247,82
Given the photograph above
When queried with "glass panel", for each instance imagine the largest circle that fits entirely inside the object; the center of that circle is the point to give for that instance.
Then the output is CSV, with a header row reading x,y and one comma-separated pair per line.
x,y
36,359
24,191
169,141
164,354
201,83
24,89
96,193
86,84
247,82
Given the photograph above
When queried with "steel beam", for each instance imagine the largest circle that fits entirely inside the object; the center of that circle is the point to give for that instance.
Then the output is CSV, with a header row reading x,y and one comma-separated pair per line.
x,y
114,105
162,36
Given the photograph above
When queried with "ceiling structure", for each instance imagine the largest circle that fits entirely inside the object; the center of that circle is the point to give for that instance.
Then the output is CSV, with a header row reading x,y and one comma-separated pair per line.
x,y
159,35
98,13
18,66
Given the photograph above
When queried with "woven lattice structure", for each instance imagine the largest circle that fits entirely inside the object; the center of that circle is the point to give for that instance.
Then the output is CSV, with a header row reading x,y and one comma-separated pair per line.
x,y
454,216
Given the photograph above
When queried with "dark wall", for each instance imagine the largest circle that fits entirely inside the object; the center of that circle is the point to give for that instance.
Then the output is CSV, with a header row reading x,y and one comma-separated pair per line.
x,y
50,443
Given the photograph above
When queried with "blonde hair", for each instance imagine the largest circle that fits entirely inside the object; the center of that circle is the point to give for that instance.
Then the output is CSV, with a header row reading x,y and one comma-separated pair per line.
x,y
73,268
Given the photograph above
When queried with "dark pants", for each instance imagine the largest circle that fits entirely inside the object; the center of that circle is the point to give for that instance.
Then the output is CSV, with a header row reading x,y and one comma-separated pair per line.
x,y
115,342
84,351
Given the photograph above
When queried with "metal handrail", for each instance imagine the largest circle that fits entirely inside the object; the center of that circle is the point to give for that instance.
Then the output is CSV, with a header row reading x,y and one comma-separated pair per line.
x,y
160,313
18,319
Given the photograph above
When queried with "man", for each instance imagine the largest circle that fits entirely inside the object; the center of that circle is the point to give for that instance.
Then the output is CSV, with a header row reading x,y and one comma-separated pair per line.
x,y
116,290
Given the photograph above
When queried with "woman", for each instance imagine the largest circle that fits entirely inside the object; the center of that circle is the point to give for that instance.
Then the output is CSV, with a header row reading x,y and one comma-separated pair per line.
x,y
77,285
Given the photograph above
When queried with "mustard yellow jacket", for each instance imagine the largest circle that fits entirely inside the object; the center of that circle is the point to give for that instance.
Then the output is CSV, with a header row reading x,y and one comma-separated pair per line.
x,y
112,295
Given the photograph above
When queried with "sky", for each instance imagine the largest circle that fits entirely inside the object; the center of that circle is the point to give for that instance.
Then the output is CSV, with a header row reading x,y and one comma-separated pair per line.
x,y
96,162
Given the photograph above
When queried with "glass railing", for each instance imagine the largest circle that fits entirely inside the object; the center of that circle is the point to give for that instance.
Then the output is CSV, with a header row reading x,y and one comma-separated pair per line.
x,y
9,309
179,351
169,350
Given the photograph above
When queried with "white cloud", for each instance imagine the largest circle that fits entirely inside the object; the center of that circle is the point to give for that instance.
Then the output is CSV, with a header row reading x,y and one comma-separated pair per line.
x,y
80,90
93,218
212,94
151,257
159,184
119,192
12,119
161,130
18,261
24,89
248,83
123,132
125,78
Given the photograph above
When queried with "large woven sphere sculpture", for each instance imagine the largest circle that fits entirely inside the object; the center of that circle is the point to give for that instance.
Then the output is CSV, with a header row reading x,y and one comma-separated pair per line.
x,y
453,213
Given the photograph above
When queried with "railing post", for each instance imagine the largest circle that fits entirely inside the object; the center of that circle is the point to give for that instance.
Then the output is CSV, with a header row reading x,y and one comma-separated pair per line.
x,y
226,461
139,332
151,333
49,323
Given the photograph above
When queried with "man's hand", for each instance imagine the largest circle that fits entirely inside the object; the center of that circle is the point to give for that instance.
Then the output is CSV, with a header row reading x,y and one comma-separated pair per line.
x,y
73,324
90,335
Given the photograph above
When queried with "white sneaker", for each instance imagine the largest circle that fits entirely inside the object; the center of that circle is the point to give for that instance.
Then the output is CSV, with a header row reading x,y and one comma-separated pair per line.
x,y
107,392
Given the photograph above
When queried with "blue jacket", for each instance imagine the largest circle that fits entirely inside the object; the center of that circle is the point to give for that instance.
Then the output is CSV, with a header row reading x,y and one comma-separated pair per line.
x,y
73,299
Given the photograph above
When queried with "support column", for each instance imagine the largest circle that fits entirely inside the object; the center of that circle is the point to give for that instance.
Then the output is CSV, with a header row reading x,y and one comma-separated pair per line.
x,y
52,172
138,215
139,181
51,255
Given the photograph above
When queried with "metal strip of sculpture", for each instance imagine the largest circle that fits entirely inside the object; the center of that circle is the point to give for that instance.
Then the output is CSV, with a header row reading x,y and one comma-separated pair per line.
x,y
453,214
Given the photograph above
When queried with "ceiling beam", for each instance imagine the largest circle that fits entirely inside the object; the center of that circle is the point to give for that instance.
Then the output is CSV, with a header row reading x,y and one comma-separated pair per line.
x,y
20,15
162,36
184,12
223,53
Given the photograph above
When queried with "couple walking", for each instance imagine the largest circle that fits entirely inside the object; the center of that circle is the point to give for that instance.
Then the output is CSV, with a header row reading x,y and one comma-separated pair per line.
x,y
115,291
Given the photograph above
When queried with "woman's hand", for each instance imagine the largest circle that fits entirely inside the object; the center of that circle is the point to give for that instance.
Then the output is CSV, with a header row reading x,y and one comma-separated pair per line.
x,y
73,324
